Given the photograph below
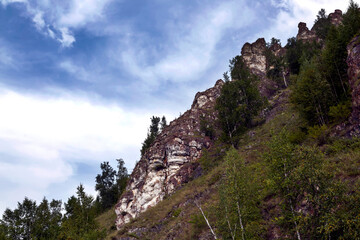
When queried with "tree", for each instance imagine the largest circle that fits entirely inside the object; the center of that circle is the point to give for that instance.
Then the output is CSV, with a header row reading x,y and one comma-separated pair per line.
x,y
322,24
312,94
79,221
163,123
19,223
105,185
238,198
238,102
121,177
152,133
47,220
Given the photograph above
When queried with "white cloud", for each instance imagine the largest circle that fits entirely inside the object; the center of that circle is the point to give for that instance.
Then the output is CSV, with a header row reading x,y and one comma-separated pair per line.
x,y
190,47
66,39
41,138
56,19
83,11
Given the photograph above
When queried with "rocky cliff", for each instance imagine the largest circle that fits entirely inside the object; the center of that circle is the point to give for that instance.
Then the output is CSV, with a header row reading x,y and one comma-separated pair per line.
x,y
171,160
254,56
304,34
353,62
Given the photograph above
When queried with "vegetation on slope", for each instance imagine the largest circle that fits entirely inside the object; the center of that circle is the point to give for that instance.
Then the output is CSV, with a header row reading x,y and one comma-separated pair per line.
x,y
288,178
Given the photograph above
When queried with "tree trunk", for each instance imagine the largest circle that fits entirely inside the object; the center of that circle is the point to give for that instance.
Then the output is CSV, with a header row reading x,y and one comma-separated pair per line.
x,y
207,222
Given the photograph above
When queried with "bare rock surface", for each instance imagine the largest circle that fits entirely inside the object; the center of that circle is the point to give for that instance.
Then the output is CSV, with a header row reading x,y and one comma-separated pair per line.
x,y
170,161
353,62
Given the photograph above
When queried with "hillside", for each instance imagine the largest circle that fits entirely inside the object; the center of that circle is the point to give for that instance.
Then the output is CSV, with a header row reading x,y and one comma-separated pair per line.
x,y
295,170
271,151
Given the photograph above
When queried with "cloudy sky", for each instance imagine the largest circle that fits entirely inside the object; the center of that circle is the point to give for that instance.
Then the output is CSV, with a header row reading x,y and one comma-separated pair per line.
x,y
80,79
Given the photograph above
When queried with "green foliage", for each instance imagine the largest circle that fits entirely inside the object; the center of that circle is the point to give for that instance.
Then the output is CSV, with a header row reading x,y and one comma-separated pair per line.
x,y
239,102
335,53
238,208
176,212
340,112
210,158
152,133
198,225
79,220
318,133
105,185
29,221
163,123
312,94
110,184
298,52
298,176
275,68
322,24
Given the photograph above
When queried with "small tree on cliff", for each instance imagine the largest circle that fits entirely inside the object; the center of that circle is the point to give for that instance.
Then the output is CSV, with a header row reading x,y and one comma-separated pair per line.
x,y
239,101
152,133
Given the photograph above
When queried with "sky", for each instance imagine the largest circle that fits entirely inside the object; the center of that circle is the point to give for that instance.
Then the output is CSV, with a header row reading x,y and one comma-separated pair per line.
x,y
80,79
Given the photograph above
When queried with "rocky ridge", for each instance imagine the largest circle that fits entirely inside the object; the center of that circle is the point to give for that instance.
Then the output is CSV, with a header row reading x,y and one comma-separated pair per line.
x,y
171,160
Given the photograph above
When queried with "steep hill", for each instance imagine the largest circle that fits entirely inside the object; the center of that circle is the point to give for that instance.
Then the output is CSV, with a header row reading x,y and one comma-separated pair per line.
x,y
176,189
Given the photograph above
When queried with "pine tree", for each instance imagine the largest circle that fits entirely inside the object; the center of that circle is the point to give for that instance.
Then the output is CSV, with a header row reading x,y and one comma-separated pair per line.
x,y
105,184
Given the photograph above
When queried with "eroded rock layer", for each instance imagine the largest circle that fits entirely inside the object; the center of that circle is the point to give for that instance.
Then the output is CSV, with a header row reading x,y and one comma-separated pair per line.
x,y
171,160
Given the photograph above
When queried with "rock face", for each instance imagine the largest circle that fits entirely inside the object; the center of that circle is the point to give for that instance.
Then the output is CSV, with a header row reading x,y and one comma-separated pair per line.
x,y
353,62
255,59
171,160
254,56
336,17
305,34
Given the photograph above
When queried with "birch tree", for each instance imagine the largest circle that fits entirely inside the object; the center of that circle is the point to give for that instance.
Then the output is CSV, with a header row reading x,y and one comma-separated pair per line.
x,y
237,199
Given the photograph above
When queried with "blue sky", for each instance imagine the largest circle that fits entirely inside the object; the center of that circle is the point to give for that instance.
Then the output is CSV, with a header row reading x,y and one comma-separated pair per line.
x,y
80,79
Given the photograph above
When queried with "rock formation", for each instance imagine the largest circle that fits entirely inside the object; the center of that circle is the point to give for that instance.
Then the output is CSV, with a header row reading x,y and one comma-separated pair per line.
x,y
353,62
336,17
305,34
254,56
171,160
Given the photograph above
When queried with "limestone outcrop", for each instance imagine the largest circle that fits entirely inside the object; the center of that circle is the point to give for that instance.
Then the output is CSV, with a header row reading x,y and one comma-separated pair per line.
x,y
171,160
